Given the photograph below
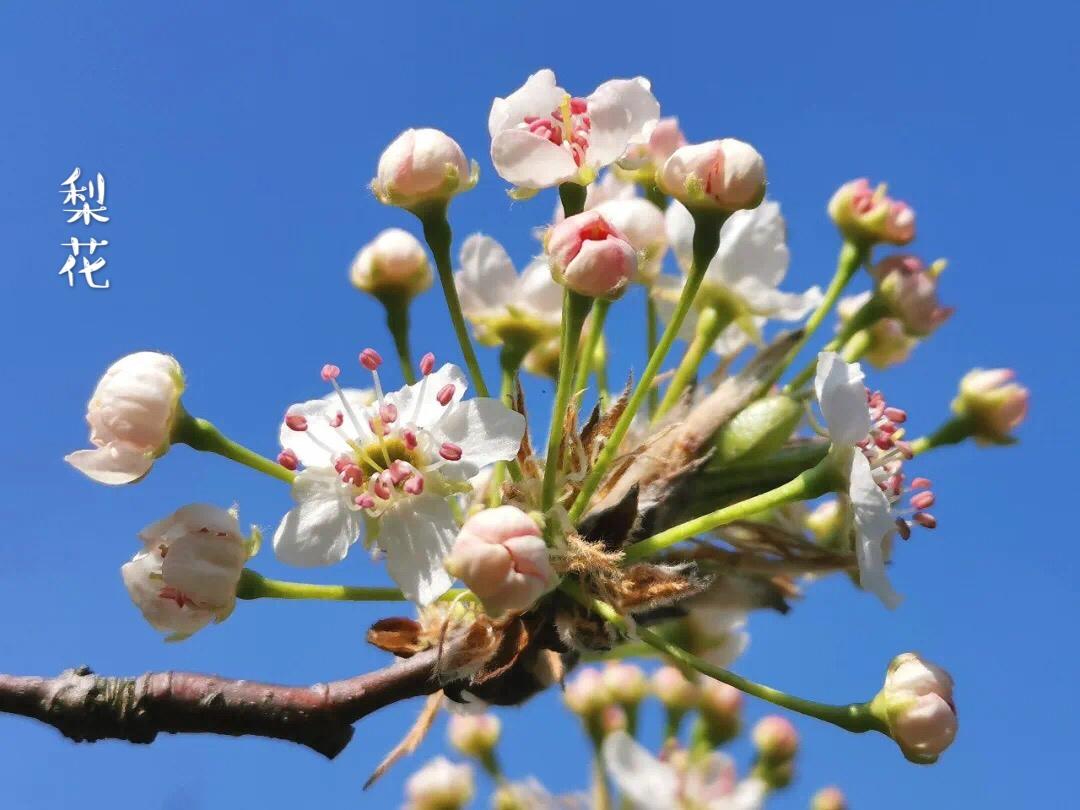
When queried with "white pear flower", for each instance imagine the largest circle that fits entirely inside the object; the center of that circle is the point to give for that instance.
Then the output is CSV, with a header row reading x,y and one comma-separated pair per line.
x,y
186,574
440,785
647,783
718,634
505,307
741,280
868,448
389,466
131,416
541,136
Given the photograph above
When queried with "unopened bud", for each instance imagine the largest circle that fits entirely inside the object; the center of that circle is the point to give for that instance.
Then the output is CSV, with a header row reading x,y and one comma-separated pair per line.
x,y
422,166
440,785
626,683
586,695
867,216
474,735
909,289
993,404
775,739
829,798
917,704
759,429
720,707
590,257
394,264
674,690
724,175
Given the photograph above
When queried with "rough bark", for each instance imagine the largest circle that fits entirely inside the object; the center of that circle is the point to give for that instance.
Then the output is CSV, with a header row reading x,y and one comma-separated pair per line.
x,y
86,707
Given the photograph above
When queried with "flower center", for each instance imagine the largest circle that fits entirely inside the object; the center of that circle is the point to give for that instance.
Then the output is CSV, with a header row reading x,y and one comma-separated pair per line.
x,y
568,126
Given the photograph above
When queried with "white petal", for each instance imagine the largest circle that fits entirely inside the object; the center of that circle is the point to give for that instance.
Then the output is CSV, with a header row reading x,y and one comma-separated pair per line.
x,y
485,430
842,396
648,783
322,526
112,464
145,591
206,567
772,303
538,96
735,338
666,291
320,443
621,112
417,536
680,232
529,161
189,519
538,292
487,278
417,403
753,243
873,524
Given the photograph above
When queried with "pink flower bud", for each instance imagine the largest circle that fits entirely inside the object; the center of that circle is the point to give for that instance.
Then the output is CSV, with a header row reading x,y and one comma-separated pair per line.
x,y
829,798
890,342
993,403
725,175
613,719
501,557
917,704
474,735
909,289
674,690
663,139
440,785
420,166
626,683
590,257
393,264
775,738
644,227
868,216
586,694
720,703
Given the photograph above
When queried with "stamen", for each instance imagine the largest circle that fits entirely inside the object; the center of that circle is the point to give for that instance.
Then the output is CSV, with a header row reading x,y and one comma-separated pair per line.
x,y
414,485
920,483
381,487
450,451
338,420
409,437
364,501
924,500
370,359
446,393
330,372
925,520
897,415
427,363
296,421
388,413
287,459
903,528
399,471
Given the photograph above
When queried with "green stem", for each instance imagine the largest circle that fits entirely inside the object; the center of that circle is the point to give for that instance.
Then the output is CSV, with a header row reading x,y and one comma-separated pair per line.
x,y
587,358
856,346
868,314
489,761
654,195
509,361
202,435
651,321
709,326
397,321
254,585
601,789
855,717
603,393
673,719
575,309
813,483
439,237
572,197
706,241
850,260
956,430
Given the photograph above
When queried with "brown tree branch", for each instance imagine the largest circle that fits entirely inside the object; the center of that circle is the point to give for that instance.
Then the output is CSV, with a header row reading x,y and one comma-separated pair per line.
x,y
86,707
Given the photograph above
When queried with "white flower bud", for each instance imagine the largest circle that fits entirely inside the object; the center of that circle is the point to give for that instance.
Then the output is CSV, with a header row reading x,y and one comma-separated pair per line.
x,y
187,572
674,690
644,227
626,683
422,166
726,175
587,695
917,704
131,416
395,263
440,785
474,735
993,402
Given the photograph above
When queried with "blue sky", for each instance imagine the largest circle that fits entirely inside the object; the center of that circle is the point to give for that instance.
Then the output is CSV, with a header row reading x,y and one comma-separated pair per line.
x,y
238,139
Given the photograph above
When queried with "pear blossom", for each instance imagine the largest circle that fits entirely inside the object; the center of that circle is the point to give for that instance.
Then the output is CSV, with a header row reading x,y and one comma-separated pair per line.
x,y
867,450
527,795
775,738
993,403
917,704
741,280
394,263
440,785
674,689
474,735
501,556
720,707
868,215
384,469
541,136
829,798
587,694
724,175
708,783
625,682
717,634
186,574
131,416
505,307
590,256
909,289
889,341
643,225
662,139
422,166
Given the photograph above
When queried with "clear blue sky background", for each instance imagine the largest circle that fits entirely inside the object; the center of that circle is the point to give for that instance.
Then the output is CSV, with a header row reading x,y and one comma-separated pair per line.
x,y
238,139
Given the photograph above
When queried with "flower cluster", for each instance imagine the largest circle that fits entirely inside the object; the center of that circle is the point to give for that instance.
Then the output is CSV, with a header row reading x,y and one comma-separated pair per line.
x,y
658,524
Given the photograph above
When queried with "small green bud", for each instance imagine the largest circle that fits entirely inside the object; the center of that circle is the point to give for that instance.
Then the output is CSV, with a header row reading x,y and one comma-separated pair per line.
x,y
759,429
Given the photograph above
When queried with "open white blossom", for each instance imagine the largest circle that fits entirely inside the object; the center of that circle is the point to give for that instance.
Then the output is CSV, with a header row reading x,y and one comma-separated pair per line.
x,y
649,784
741,280
502,305
186,574
870,459
541,136
385,469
